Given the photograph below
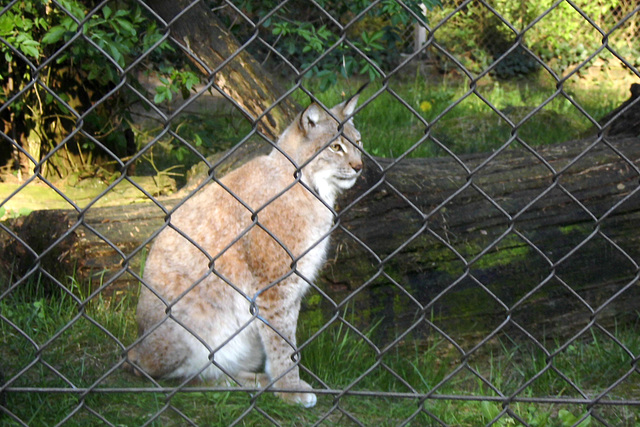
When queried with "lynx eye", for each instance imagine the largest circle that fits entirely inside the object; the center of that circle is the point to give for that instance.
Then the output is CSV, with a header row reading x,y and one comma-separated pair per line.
x,y
336,147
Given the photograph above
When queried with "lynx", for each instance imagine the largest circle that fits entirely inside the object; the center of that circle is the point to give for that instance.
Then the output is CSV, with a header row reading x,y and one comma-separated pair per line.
x,y
224,282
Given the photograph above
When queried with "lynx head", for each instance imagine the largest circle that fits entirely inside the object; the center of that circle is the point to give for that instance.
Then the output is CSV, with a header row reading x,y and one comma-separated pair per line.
x,y
330,157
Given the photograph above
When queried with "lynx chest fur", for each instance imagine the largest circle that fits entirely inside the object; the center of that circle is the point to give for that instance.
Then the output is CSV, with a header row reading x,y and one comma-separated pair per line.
x,y
224,280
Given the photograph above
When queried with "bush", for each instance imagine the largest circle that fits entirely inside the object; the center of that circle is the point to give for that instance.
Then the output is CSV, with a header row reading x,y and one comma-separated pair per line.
x,y
54,72
562,38
378,34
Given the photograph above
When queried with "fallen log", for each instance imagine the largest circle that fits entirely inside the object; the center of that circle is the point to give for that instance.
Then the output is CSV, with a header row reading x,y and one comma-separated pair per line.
x,y
550,246
545,240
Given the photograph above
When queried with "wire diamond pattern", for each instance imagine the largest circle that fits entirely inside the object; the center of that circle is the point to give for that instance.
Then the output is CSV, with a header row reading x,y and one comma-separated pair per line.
x,y
547,382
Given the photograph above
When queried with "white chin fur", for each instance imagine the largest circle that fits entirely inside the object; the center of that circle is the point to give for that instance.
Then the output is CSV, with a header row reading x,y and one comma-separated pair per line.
x,y
328,186
345,184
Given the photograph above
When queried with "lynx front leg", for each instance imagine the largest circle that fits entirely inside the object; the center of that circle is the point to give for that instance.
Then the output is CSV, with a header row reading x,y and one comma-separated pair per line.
x,y
279,338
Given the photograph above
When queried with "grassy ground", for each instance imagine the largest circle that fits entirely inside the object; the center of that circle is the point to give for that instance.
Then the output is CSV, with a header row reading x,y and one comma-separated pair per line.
x,y
395,122
79,346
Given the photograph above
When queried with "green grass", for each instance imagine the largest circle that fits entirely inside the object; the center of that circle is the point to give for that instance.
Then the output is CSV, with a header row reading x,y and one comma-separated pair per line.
x,y
74,347
390,128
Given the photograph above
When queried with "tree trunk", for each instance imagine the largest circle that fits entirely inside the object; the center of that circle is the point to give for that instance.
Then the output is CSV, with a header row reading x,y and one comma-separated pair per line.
x,y
199,33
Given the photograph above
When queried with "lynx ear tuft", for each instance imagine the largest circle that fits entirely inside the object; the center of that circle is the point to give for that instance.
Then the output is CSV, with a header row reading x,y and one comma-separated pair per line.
x,y
310,117
351,103
346,108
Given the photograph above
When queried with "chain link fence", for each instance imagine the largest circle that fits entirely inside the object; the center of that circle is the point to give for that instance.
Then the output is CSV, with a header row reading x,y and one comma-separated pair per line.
x,y
490,288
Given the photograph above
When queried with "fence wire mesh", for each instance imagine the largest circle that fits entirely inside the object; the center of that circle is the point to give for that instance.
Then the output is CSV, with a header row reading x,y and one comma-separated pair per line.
x,y
459,290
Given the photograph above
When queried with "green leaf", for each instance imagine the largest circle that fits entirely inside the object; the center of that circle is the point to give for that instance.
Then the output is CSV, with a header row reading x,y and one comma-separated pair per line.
x,y
369,69
126,26
62,58
305,34
30,42
30,50
53,35
324,32
27,24
162,93
585,423
69,24
94,72
115,53
191,80
106,12
568,419
6,24
22,37
376,36
74,7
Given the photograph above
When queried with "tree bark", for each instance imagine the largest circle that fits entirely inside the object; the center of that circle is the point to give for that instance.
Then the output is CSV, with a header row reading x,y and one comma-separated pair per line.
x,y
624,120
199,33
515,240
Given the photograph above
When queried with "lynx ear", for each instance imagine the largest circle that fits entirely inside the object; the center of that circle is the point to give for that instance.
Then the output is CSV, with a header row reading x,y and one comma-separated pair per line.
x,y
310,117
349,106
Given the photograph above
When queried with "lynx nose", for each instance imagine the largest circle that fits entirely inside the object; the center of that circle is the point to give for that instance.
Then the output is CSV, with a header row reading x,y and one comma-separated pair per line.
x,y
356,166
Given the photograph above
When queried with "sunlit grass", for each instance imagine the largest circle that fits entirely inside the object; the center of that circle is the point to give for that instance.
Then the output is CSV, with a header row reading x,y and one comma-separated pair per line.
x,y
426,119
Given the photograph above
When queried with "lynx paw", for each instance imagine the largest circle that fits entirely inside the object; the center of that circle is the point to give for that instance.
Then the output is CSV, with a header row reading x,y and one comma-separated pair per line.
x,y
307,400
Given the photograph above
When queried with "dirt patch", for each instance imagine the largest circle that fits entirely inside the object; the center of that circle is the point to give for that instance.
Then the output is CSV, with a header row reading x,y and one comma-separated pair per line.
x,y
19,199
